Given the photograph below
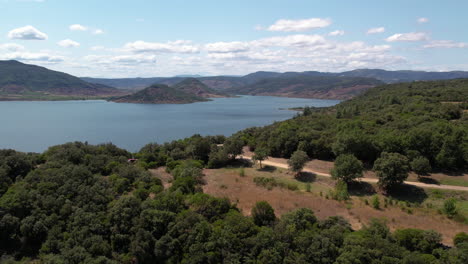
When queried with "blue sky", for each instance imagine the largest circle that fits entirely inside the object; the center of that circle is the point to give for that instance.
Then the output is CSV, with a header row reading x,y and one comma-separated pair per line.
x,y
123,38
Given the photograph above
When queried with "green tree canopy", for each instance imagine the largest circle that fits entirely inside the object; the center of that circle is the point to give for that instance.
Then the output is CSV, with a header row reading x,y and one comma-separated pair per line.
x,y
347,168
391,169
297,161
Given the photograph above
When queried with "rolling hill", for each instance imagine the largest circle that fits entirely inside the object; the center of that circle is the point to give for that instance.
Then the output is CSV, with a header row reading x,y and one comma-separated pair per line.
x,y
304,86
19,81
196,87
159,94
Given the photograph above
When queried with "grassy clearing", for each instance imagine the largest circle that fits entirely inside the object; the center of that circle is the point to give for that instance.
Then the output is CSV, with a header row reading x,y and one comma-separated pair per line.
x,y
454,181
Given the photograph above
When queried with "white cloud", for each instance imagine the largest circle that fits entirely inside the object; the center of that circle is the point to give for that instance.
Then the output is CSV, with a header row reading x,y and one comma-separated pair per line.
x,y
423,20
286,25
336,33
408,37
98,32
77,27
27,33
11,47
68,43
30,56
123,59
376,30
291,41
224,47
448,44
179,46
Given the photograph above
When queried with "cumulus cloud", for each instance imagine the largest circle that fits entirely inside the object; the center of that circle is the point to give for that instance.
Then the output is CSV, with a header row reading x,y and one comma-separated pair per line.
x,y
179,46
225,47
27,33
298,40
375,30
31,56
68,43
408,37
336,33
11,47
286,25
77,27
448,44
423,20
123,59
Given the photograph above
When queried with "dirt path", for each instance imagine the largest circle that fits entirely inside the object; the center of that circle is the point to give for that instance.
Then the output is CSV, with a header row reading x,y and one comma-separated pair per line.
x,y
418,184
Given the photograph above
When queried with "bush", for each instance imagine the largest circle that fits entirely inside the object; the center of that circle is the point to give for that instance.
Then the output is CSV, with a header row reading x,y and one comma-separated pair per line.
x,y
376,202
341,191
421,165
263,214
460,238
450,207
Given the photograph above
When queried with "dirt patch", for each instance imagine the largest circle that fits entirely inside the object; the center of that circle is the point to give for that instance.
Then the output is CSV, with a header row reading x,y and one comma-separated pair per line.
x,y
165,177
245,193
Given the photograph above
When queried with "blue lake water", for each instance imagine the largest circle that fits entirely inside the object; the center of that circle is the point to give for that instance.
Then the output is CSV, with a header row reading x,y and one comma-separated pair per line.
x,y
35,126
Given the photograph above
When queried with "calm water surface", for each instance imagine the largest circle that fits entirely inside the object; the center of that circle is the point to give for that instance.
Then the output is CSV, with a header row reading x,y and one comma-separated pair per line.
x,y
34,126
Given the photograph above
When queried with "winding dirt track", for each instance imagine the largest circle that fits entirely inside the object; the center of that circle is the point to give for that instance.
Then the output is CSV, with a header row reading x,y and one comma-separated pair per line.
x,y
418,184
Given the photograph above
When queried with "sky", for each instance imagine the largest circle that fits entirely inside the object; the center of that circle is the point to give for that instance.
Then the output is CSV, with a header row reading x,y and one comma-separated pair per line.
x,y
137,38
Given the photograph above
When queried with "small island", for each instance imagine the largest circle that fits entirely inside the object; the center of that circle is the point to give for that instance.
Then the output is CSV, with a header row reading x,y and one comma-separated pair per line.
x,y
196,87
188,91
159,94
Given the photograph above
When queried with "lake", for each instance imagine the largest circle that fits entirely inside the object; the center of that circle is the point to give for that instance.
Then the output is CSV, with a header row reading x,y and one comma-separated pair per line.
x,y
35,126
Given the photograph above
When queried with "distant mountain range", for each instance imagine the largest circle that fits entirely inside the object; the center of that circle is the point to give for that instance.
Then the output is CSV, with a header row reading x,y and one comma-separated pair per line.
x,y
228,82
20,81
303,86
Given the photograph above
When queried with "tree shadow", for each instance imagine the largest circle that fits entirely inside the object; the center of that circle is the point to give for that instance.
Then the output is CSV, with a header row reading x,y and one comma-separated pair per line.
x,y
408,193
359,188
306,177
429,180
240,163
456,173
268,168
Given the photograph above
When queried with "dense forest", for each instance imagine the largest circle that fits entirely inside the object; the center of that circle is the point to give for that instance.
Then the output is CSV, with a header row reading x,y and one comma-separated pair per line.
x,y
77,203
418,119
80,203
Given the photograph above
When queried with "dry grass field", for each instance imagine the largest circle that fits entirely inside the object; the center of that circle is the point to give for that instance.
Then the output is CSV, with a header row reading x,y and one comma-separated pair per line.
x,y
412,207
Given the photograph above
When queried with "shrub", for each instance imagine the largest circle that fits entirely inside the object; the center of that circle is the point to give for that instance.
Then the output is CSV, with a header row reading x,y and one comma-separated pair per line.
x,y
450,207
376,202
263,214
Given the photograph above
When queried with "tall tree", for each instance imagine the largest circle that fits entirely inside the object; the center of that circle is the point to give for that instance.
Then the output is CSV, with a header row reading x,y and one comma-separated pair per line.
x,y
391,169
297,161
347,168
260,155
